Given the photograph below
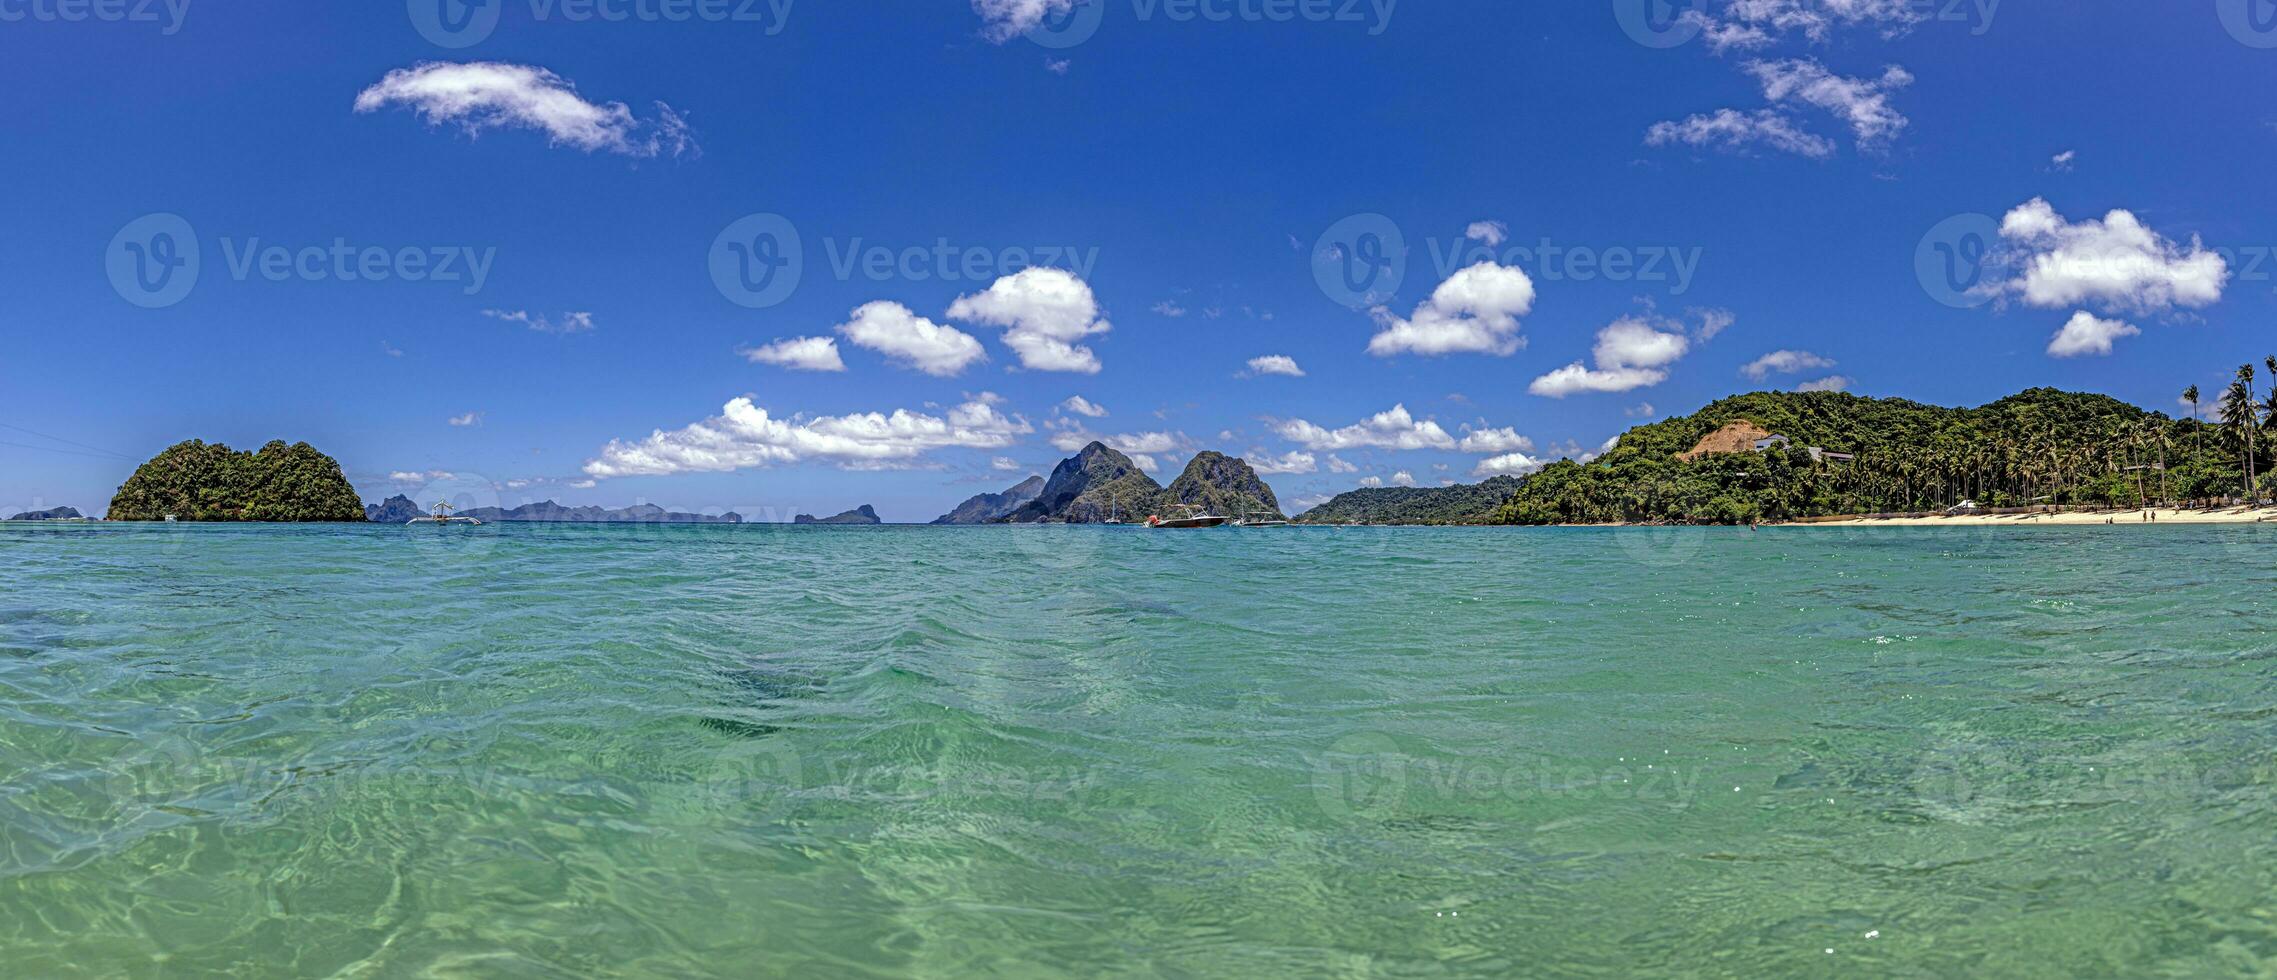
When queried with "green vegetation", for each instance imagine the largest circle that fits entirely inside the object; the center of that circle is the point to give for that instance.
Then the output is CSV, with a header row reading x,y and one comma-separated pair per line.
x,y
197,481
1467,504
2039,447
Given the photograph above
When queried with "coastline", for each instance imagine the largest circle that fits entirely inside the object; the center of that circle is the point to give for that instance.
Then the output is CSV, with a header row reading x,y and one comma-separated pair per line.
x,y
2161,515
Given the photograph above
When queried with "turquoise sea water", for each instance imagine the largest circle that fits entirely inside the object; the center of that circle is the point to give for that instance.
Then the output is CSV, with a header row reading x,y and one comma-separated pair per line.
x,y
518,751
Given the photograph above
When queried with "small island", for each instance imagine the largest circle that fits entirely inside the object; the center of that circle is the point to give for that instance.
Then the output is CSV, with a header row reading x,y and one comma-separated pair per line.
x,y
201,481
864,514
51,514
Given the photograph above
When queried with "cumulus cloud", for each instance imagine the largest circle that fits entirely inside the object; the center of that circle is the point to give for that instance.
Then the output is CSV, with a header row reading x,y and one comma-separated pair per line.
x,y
467,420
1003,20
2086,334
487,95
1749,24
1044,312
911,340
798,354
2063,161
2117,263
1731,129
1485,440
1475,311
1289,462
1403,478
1336,465
1633,352
1713,321
1170,309
744,435
1371,482
1133,444
568,324
1275,364
1784,362
1084,407
1512,464
1004,464
1488,233
1394,429
1834,383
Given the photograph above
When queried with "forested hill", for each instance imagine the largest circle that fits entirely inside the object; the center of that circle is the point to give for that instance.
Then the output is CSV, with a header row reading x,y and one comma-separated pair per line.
x,y
2038,446
1462,504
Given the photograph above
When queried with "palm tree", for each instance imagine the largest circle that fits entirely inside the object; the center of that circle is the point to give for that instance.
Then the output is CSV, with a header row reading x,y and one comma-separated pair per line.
x,y
2238,411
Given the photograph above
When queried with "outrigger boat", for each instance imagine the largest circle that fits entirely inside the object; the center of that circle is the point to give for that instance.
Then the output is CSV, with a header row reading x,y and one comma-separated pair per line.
x,y
442,515
1192,521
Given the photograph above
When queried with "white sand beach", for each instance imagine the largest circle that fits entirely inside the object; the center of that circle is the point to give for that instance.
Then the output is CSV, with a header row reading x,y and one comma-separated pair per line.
x,y
2146,517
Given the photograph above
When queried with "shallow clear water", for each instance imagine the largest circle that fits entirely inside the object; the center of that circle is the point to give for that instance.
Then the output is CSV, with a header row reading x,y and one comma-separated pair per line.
x,y
760,751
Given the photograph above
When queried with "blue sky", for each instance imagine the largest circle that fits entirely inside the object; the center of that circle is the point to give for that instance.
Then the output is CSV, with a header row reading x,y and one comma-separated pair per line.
x,y
1774,177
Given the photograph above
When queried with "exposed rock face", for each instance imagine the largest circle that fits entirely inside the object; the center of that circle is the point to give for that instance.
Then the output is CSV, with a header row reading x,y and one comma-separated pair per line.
x,y
1089,488
52,514
394,510
1737,437
197,481
1220,484
548,512
988,508
859,515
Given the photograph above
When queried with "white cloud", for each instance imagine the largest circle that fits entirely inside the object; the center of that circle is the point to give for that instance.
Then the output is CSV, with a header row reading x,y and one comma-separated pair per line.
x,y
1731,129
1642,410
1136,443
1336,465
1003,20
1784,362
744,435
1045,311
1475,311
1280,364
1394,429
492,95
467,420
1144,462
1084,407
570,322
1170,309
1004,464
1485,440
1863,103
1752,23
2063,161
1289,462
1513,464
798,354
1834,383
1371,482
1488,233
911,340
1403,478
2116,262
1713,321
2086,334
1631,353
400,476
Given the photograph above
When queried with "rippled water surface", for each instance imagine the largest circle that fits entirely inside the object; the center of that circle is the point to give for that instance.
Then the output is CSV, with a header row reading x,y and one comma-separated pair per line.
x,y
763,751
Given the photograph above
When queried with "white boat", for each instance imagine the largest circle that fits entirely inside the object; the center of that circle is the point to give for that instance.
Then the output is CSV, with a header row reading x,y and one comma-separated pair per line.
x,y
1260,519
442,515
1193,520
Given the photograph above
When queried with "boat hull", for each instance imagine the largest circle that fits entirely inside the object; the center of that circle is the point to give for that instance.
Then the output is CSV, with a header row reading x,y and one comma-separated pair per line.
x,y
1188,523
